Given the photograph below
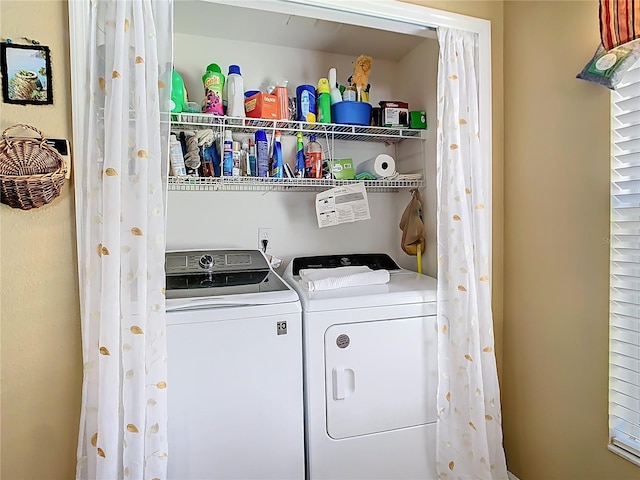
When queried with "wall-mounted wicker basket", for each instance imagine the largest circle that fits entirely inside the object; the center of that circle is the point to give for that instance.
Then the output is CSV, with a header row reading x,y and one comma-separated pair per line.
x,y
31,171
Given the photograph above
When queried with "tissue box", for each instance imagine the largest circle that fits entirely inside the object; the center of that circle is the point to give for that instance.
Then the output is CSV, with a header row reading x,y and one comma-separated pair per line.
x,y
395,114
342,169
261,105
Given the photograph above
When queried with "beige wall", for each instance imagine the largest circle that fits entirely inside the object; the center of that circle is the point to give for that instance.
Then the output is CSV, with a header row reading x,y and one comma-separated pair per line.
x,y
556,206
550,134
40,343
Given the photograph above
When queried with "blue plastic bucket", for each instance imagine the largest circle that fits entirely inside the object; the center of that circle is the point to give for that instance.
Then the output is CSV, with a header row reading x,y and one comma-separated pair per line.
x,y
351,113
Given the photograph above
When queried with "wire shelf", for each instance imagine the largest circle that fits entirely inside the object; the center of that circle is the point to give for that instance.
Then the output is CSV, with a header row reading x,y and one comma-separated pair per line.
x,y
389,135
206,184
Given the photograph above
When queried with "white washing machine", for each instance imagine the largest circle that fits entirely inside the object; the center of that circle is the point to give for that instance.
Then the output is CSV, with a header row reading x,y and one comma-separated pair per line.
x,y
234,341
370,369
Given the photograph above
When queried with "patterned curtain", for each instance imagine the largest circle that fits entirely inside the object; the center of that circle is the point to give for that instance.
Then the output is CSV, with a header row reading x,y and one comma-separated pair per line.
x,y
469,430
619,22
122,183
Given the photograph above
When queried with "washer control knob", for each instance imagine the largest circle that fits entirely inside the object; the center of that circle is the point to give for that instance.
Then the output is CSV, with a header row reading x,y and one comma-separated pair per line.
x,y
345,261
206,261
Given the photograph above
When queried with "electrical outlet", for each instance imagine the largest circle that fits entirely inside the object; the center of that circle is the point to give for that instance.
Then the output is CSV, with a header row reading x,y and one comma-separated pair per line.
x,y
264,235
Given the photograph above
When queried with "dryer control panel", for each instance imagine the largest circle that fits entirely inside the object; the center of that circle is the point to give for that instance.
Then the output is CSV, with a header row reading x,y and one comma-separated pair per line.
x,y
375,261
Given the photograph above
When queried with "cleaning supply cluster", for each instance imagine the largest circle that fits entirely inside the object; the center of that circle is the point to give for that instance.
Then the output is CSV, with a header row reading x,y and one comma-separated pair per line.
x,y
312,102
227,149
206,153
324,101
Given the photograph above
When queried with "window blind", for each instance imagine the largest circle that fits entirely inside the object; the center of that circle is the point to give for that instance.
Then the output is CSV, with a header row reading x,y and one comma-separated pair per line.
x,y
624,310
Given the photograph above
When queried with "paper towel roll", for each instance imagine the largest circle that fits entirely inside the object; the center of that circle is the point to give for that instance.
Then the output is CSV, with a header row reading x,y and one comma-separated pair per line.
x,y
382,166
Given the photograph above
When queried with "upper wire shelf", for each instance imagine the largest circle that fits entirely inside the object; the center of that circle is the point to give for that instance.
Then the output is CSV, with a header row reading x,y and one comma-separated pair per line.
x,y
281,184
336,131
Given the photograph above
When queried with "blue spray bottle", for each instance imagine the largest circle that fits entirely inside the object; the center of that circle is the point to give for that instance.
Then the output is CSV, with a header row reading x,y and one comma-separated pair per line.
x,y
278,168
299,156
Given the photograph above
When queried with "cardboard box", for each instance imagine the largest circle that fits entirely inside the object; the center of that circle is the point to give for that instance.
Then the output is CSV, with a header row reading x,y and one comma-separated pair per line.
x,y
342,169
394,114
261,105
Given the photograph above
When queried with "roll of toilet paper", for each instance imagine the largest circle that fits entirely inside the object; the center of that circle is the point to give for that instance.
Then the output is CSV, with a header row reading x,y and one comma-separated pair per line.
x,y
382,166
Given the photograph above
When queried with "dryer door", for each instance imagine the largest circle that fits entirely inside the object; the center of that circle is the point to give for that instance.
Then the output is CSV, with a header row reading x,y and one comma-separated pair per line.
x,y
380,375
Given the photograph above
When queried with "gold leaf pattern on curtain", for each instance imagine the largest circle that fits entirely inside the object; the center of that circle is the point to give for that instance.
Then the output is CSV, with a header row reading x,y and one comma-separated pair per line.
x,y
466,440
122,298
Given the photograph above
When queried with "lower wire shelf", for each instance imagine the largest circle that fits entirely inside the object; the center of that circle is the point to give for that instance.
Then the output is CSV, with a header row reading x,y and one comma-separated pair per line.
x,y
282,184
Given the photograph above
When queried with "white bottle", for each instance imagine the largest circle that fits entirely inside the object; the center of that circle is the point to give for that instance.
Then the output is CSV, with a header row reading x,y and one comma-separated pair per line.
x,y
227,154
245,168
178,168
235,92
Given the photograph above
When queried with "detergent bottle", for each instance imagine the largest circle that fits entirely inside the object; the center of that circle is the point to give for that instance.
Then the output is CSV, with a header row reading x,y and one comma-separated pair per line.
x,y
178,93
306,103
213,81
262,153
235,92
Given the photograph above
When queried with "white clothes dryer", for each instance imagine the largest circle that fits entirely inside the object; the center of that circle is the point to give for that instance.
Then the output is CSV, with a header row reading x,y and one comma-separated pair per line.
x,y
370,373
234,343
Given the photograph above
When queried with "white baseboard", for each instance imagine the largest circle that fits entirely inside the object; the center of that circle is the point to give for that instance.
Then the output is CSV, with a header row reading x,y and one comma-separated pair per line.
x,y
511,476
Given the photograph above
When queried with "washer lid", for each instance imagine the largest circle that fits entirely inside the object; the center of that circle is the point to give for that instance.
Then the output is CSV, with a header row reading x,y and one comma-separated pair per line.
x,y
209,278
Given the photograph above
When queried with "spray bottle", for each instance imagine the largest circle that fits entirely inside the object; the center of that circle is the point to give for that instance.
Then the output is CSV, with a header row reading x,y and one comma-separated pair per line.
x,y
278,168
299,156
336,96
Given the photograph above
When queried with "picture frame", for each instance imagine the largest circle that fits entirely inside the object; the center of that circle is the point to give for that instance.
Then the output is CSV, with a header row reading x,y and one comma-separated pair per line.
x,y
26,74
